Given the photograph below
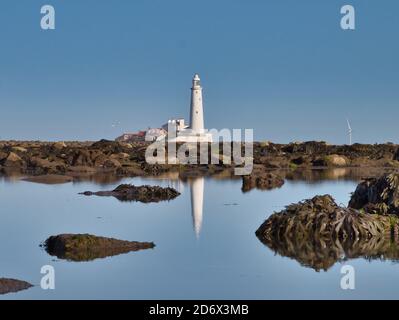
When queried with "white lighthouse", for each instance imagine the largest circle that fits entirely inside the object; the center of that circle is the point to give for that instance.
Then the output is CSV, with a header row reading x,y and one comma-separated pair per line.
x,y
196,131
196,107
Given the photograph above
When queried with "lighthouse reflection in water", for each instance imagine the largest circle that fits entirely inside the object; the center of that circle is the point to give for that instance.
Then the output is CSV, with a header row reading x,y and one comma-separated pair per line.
x,y
197,203
196,185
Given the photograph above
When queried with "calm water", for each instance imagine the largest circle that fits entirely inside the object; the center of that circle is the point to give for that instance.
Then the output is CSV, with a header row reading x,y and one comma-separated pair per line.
x,y
205,244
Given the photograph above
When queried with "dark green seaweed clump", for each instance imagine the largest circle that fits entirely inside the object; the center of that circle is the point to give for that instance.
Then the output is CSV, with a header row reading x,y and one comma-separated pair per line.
x,y
317,233
86,247
146,194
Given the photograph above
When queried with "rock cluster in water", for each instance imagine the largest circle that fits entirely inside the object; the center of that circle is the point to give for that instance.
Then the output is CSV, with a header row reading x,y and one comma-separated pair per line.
x,y
317,232
146,194
86,247
322,218
377,195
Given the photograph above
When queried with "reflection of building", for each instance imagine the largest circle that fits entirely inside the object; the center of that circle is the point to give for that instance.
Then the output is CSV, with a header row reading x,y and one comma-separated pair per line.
x,y
197,203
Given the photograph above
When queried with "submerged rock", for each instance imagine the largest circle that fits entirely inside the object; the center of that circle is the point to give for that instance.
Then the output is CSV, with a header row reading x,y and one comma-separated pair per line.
x,y
86,247
377,195
262,181
128,192
13,285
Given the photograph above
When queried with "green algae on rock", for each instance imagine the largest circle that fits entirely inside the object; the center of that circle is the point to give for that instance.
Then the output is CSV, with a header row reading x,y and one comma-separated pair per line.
x,y
317,233
86,247
321,217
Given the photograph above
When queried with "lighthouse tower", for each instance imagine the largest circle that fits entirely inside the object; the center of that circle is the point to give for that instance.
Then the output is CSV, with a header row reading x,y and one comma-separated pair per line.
x,y
196,109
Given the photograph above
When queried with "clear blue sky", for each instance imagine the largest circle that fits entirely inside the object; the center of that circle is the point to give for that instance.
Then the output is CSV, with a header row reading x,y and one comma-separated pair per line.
x,y
282,67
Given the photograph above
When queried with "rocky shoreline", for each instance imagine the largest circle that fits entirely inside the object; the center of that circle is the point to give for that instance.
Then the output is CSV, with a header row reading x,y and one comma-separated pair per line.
x,y
128,159
316,232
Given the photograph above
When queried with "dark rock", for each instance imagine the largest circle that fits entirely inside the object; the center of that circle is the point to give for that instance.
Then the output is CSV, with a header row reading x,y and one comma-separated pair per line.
x,y
41,158
318,233
3,156
377,195
262,181
86,247
81,158
108,146
112,163
299,161
127,192
13,285
321,217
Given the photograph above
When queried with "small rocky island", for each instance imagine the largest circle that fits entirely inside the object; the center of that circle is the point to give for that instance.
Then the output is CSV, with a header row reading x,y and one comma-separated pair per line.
x,y
145,194
317,232
13,285
86,247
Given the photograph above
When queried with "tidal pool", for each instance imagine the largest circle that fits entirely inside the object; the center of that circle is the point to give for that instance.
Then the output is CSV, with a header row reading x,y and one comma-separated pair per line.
x,y
206,246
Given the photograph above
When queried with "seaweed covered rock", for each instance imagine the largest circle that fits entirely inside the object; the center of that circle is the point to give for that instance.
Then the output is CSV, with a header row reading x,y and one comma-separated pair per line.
x,y
128,192
321,217
262,181
108,146
86,247
13,285
317,233
377,195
